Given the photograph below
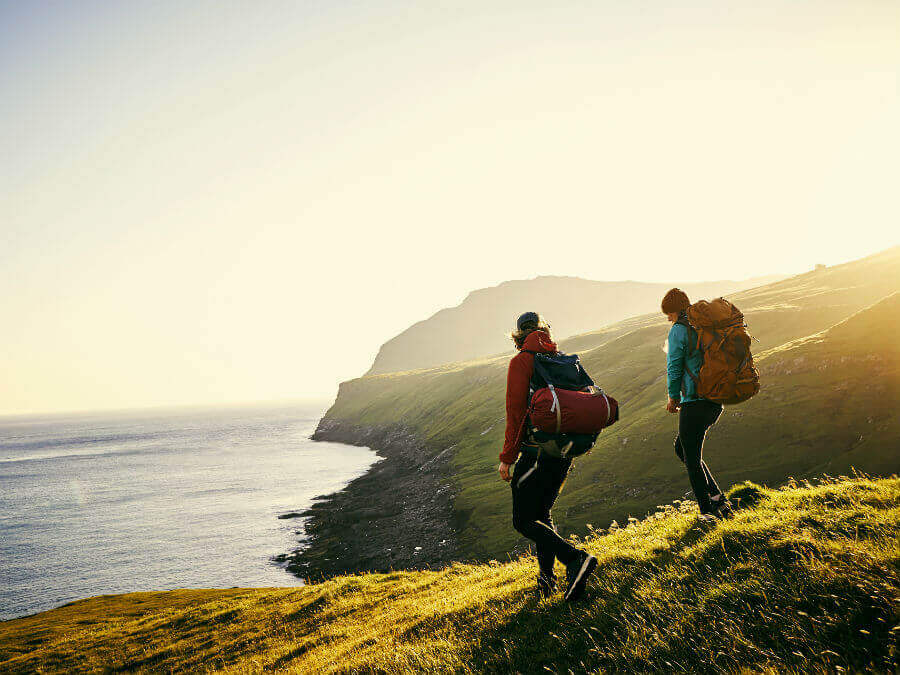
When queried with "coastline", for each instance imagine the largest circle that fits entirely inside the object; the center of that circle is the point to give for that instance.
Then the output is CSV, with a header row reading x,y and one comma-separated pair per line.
x,y
398,515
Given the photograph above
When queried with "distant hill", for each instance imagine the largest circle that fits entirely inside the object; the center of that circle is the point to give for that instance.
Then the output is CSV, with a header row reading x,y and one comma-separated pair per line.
x,y
829,357
480,325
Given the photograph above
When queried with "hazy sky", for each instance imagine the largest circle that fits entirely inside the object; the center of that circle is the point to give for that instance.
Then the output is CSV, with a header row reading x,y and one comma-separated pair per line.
x,y
225,201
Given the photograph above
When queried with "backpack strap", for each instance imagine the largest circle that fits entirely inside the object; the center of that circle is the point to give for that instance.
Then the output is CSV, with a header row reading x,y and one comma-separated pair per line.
x,y
542,372
682,319
690,372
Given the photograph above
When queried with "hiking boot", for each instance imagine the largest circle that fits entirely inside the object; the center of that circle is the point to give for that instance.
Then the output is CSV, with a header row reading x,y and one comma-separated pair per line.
x,y
546,585
707,519
721,507
723,510
577,573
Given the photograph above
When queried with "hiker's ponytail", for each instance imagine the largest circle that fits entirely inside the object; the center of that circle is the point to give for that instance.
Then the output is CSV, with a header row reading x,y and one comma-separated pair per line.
x,y
518,336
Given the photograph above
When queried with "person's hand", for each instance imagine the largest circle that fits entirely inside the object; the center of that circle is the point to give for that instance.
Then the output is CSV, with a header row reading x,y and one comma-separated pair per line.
x,y
672,406
504,471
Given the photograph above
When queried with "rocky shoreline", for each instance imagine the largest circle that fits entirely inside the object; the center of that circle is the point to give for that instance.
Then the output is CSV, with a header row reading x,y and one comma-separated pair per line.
x,y
398,515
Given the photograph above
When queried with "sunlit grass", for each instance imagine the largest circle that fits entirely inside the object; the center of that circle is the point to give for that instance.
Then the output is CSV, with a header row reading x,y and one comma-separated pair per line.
x,y
801,579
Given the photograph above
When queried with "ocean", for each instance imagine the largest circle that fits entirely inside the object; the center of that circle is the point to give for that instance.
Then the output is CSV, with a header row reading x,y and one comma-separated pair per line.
x,y
92,504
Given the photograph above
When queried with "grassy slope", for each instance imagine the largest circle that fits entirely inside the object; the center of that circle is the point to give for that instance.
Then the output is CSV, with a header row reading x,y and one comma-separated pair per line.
x,y
801,579
797,425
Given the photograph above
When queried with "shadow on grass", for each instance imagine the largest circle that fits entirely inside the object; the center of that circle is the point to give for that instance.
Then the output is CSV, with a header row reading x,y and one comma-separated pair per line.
x,y
562,636
742,602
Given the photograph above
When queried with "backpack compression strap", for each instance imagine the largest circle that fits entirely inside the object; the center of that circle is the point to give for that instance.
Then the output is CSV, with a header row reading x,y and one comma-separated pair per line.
x,y
555,407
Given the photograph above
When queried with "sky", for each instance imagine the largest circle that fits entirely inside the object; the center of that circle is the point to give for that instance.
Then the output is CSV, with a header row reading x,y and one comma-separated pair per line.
x,y
237,201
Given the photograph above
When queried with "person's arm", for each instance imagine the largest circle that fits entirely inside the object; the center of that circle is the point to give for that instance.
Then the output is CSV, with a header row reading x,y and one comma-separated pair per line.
x,y
517,379
675,360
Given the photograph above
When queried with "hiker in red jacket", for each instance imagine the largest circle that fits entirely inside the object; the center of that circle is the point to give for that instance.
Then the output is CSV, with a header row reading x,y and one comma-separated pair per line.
x,y
537,479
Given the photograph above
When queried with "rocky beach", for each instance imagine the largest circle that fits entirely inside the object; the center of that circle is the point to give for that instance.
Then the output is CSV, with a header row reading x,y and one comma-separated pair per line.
x,y
397,515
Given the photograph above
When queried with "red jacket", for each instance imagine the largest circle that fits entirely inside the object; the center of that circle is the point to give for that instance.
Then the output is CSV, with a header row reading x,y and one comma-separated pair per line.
x,y
521,366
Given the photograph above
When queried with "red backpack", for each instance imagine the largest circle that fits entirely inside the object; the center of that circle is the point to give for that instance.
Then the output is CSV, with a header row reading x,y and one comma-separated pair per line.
x,y
565,398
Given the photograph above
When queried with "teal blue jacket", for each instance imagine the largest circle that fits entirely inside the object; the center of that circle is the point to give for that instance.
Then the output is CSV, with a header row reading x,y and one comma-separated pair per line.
x,y
680,385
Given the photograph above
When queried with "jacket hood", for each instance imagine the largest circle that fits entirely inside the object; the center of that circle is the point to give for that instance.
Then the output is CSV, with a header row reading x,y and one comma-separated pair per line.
x,y
539,341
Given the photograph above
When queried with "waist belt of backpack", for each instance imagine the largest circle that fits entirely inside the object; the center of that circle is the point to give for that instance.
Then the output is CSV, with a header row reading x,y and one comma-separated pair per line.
x,y
555,407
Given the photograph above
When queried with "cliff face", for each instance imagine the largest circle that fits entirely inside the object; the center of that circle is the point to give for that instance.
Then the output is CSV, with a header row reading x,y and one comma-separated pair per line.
x,y
398,515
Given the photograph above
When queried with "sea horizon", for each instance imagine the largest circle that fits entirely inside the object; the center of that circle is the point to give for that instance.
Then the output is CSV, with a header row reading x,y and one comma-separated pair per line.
x,y
323,401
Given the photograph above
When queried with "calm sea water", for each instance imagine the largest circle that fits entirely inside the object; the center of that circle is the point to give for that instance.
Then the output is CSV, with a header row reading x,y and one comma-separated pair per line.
x,y
189,498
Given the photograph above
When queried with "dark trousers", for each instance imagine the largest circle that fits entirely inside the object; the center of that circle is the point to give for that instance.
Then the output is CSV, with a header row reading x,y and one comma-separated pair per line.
x,y
535,485
694,419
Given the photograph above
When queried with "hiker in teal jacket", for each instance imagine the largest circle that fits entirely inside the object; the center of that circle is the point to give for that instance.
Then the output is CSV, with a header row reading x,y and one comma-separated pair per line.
x,y
681,357
695,414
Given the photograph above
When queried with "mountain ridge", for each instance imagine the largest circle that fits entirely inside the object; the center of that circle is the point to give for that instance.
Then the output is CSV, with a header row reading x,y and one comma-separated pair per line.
x,y
478,326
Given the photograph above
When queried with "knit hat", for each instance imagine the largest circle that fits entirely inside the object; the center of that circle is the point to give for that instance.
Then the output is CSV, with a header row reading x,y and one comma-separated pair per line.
x,y
528,318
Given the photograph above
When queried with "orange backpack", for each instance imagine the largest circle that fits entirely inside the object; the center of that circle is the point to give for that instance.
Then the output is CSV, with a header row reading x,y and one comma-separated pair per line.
x,y
727,375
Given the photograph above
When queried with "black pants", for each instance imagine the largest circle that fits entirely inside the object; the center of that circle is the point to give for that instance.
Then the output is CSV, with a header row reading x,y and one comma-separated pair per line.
x,y
535,485
694,419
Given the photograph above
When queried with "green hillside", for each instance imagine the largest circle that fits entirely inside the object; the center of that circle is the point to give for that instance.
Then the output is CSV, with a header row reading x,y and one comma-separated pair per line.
x,y
828,399
801,580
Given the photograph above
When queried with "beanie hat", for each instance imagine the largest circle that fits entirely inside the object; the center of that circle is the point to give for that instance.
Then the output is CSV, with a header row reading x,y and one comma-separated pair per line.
x,y
528,318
